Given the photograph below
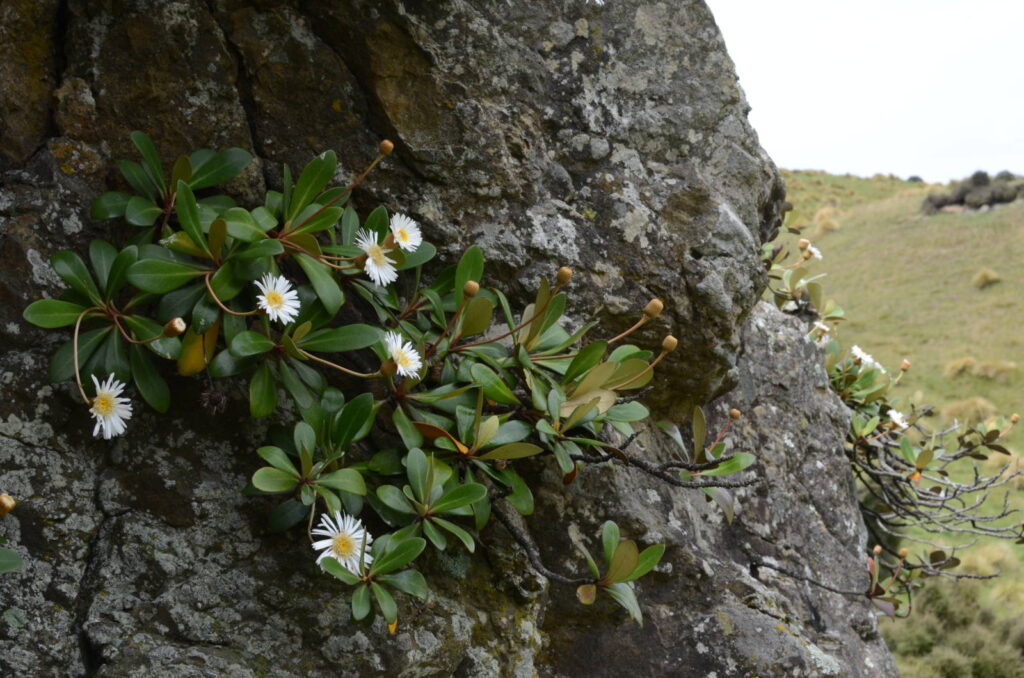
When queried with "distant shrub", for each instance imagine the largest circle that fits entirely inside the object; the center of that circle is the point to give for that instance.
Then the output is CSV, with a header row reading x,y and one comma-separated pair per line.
x,y
958,366
915,179
970,410
979,178
999,369
1006,175
985,277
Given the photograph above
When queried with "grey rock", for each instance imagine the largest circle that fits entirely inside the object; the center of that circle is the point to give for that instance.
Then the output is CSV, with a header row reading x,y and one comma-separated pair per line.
x,y
144,558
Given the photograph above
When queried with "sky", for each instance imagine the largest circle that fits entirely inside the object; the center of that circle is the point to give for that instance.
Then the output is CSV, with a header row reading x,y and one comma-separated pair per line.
x,y
927,87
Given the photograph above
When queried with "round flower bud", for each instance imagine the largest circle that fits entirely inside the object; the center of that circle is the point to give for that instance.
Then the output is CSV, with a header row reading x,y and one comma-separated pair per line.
x,y
386,147
653,308
7,504
389,368
563,275
877,550
1014,418
804,243
471,288
806,255
905,365
735,414
904,553
669,344
174,327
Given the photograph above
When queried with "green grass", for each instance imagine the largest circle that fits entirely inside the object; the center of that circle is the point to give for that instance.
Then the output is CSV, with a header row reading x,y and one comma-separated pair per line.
x,y
905,282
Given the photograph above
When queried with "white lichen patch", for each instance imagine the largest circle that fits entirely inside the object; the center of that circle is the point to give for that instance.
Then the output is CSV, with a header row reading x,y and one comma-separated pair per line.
x,y
42,273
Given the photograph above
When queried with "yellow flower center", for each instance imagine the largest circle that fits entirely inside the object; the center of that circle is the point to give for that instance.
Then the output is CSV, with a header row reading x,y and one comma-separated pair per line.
x,y
403,235
402,358
274,300
343,546
103,404
376,252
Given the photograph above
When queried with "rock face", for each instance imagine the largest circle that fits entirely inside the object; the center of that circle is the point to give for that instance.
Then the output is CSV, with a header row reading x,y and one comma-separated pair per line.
x,y
611,138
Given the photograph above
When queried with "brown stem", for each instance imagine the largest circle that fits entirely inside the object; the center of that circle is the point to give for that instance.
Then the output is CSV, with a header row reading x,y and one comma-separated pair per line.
x,y
74,352
328,363
216,300
349,189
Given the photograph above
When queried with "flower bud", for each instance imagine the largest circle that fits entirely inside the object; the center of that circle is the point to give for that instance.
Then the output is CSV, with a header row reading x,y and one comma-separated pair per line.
x,y
904,553
877,550
669,344
471,288
386,147
653,309
804,243
1014,418
905,365
174,327
563,276
735,414
7,504
806,255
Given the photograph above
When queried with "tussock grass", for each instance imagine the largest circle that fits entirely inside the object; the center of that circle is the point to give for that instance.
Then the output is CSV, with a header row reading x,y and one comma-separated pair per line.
x,y
959,366
985,277
1000,369
971,410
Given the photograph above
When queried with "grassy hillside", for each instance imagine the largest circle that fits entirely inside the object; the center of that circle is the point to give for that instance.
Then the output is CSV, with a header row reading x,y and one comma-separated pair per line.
x,y
906,282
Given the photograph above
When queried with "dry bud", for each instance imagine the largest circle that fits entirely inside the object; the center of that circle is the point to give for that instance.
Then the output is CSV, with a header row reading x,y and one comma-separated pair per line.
x,y
905,365
471,288
735,414
669,344
563,276
174,327
389,368
653,308
904,553
806,255
1014,418
877,550
7,504
804,243
386,147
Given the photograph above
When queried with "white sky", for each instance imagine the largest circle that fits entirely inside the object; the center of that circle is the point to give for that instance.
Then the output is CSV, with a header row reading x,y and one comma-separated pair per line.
x,y
927,87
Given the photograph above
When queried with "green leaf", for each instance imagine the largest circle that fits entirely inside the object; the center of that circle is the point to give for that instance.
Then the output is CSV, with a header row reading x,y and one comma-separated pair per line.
x,y
609,540
700,432
188,216
323,282
352,420
733,464
109,206
181,170
417,468
421,255
151,158
344,480
262,392
101,256
51,313
341,339
160,276
349,226
632,411
250,343
242,225
494,388
471,267
377,222
312,181
332,566
72,270
287,515
477,316
137,178
141,211
411,437
268,247
360,601
649,557
435,535
62,363
623,594
151,385
9,560
587,358
112,357
410,582
316,221
387,604
460,534
462,495
218,168
144,329
521,497
118,274
394,499
279,459
513,451
400,555
269,479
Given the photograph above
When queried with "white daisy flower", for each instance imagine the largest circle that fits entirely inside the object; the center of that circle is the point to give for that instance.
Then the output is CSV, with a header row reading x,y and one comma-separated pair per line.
x,y
866,359
403,353
406,232
897,418
347,541
380,269
822,327
815,252
111,410
278,298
